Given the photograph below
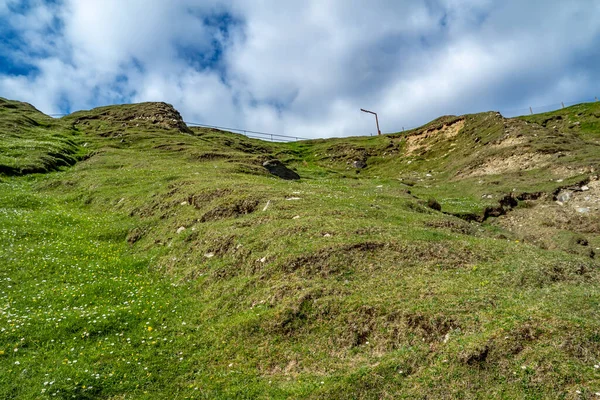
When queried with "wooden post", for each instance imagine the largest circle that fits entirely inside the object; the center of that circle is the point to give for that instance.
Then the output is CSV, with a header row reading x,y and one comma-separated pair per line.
x,y
531,110
563,104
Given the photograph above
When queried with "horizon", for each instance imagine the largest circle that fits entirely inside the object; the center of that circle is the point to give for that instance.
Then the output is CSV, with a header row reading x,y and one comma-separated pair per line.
x,y
302,69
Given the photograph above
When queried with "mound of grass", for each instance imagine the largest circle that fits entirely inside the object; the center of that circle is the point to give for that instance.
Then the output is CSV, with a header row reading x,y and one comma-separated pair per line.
x,y
32,142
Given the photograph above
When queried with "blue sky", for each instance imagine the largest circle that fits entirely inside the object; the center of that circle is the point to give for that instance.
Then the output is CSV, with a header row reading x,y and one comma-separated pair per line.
x,y
301,68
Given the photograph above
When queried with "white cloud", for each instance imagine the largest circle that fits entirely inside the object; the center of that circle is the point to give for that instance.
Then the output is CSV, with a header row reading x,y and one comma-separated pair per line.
x,y
305,68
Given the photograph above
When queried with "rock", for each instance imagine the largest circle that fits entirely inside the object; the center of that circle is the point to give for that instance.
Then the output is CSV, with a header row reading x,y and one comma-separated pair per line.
x,y
327,235
359,164
565,196
583,210
209,255
276,167
180,229
296,217
184,203
585,188
293,198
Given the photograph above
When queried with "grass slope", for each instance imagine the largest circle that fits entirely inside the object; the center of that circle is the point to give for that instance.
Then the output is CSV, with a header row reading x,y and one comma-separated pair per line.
x,y
33,142
169,264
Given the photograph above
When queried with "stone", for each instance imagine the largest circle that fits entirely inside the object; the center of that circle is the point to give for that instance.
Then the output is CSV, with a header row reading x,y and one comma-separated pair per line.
x,y
565,196
180,229
276,167
359,164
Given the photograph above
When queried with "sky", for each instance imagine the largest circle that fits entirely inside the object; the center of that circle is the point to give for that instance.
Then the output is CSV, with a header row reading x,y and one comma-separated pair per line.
x,y
302,68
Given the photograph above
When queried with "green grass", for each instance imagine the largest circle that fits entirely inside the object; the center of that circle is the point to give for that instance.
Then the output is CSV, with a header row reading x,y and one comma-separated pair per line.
x,y
345,286
33,142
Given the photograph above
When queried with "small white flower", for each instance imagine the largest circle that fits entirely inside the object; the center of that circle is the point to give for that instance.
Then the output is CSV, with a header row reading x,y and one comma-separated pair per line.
x,y
17,363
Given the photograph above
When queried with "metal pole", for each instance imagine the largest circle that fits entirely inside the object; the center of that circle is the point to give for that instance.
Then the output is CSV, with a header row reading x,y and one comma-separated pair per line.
x,y
376,119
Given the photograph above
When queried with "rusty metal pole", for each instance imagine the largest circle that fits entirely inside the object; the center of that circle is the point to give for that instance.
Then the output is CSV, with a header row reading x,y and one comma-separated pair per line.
x,y
376,119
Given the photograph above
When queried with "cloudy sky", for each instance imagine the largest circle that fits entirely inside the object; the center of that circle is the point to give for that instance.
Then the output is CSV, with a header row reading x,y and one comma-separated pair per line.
x,y
301,68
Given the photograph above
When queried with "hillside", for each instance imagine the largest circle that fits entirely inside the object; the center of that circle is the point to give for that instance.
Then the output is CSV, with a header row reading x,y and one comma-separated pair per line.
x,y
142,258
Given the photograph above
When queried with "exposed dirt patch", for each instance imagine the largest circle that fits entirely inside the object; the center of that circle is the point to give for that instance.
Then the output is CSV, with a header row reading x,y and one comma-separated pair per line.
x,y
510,141
199,200
502,165
424,140
475,356
298,312
389,330
331,259
347,152
233,210
453,225
210,156
172,147
337,259
134,235
505,204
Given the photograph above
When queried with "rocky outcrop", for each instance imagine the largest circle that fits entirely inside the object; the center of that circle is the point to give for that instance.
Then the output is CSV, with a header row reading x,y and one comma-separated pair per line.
x,y
276,167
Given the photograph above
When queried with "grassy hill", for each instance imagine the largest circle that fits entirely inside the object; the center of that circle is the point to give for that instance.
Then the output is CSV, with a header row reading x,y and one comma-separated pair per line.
x,y
144,259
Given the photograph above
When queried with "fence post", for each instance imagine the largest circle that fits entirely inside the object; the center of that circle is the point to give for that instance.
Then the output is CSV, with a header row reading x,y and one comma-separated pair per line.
x,y
563,104
531,110
596,98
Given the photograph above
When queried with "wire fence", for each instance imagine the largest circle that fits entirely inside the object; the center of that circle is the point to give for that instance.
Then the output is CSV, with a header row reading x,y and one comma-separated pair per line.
x,y
516,112
272,137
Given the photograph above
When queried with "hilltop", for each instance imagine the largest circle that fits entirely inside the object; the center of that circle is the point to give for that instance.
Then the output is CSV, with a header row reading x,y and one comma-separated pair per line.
x,y
144,258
